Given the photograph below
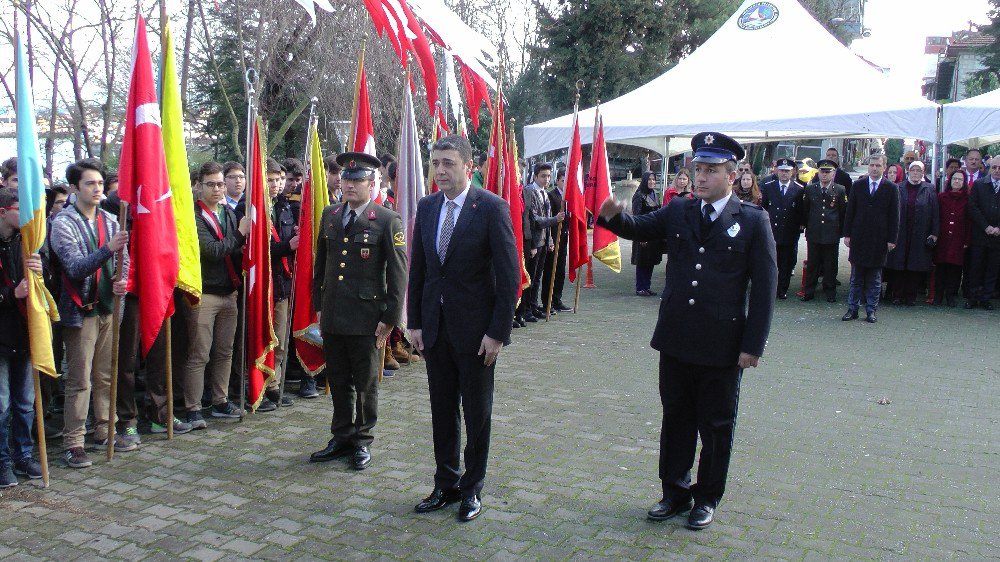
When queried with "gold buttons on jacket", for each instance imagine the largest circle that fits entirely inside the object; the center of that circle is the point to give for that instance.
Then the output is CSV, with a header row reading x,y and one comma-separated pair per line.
x,y
701,250
345,239
694,283
340,278
697,266
343,265
691,302
343,253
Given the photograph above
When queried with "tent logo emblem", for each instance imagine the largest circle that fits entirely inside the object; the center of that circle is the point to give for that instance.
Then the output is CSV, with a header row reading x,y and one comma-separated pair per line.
x,y
758,16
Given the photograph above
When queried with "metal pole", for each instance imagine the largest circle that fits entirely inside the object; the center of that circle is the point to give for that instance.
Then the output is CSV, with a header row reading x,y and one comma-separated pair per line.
x,y
169,379
251,79
43,454
116,316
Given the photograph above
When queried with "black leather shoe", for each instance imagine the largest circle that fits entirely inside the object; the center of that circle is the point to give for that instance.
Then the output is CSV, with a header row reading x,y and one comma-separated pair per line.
x,y
334,449
362,458
701,516
667,508
986,305
470,509
871,319
969,305
438,499
521,322
782,296
806,298
530,318
850,315
563,308
831,299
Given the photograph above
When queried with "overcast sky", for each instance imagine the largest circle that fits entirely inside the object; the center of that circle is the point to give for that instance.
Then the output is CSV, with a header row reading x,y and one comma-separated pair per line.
x,y
899,28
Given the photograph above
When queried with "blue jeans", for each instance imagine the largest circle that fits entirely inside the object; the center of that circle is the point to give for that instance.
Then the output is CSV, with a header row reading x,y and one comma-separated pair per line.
x,y
867,281
17,408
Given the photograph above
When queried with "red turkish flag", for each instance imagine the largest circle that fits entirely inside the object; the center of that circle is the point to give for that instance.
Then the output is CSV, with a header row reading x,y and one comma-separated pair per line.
x,y
364,130
577,235
259,314
143,184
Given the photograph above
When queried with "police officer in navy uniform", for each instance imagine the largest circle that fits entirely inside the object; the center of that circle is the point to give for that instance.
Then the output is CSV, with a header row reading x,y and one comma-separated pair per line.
x,y
782,199
359,281
709,328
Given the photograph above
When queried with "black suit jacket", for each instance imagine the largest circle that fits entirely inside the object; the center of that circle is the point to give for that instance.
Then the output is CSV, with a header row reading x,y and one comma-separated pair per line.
x,y
871,222
785,211
704,314
983,211
476,286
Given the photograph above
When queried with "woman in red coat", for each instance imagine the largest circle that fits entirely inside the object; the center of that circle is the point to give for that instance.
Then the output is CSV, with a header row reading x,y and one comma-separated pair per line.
x,y
950,251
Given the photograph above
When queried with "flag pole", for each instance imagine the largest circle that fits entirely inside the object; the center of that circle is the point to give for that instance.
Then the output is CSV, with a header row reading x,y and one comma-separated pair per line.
x,y
287,336
251,80
43,456
559,227
169,379
116,316
576,301
357,95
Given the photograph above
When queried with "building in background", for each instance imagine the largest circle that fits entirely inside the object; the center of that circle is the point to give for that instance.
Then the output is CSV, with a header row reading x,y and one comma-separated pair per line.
x,y
952,61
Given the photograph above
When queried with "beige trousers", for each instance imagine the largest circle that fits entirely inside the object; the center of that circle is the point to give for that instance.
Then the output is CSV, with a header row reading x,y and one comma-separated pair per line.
x,y
88,356
213,331
280,352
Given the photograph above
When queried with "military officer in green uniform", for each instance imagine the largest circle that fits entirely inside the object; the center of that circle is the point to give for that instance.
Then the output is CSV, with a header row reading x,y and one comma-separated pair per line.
x,y
359,281
823,207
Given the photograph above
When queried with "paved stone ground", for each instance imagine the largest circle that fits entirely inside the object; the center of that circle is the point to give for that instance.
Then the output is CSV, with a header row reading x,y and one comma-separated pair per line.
x,y
820,470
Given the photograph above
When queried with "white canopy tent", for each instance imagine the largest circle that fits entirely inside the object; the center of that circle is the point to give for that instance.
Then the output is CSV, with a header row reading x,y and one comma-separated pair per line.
x,y
678,103
973,122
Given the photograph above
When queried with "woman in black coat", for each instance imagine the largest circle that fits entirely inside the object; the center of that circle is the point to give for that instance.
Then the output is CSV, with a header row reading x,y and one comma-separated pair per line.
x,y
919,226
645,255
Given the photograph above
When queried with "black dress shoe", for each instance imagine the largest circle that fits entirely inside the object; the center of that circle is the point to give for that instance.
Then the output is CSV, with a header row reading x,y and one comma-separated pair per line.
x,y
470,509
806,298
969,305
871,319
563,308
530,318
782,296
439,498
701,516
334,449
986,305
667,508
850,315
521,322
831,299
362,458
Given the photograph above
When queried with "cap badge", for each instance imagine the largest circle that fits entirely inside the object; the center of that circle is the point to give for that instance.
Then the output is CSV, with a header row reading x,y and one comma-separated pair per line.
x,y
352,164
709,139
371,215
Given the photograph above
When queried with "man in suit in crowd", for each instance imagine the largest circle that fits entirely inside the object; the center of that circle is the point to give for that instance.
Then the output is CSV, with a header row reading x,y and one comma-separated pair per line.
x,y
782,199
840,177
538,238
557,198
984,251
974,165
359,279
705,333
464,277
871,226
824,206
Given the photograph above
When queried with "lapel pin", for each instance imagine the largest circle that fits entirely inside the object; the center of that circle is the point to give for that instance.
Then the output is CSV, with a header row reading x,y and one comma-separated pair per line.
x,y
371,215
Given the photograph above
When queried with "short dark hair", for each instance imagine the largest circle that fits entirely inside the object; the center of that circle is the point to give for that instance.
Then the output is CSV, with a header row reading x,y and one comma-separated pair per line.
x,y
8,196
209,168
390,170
951,161
111,178
293,167
230,166
457,143
331,165
541,167
560,173
273,167
385,159
75,170
833,149
8,168
482,159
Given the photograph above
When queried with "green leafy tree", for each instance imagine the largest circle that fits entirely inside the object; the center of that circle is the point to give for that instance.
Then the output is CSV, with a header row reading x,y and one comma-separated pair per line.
x,y
990,53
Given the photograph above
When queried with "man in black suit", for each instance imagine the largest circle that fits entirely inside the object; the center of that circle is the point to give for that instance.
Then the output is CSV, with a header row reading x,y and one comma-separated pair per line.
x,y
464,277
840,177
782,199
706,336
557,200
984,251
871,226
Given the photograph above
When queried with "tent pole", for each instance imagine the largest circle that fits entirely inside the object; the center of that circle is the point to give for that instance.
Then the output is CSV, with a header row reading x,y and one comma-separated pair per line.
x,y
939,155
665,167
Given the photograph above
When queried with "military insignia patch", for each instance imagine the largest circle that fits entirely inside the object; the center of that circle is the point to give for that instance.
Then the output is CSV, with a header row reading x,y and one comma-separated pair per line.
x,y
398,239
365,253
733,230
371,215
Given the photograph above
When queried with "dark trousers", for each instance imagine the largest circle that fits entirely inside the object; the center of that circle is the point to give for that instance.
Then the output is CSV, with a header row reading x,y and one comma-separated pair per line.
x,y
787,256
698,401
560,280
947,279
459,380
536,265
128,364
823,259
984,268
866,282
156,363
352,365
907,284
643,277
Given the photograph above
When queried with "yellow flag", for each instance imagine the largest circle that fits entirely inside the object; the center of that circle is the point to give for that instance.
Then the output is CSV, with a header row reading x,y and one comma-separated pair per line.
x,y
189,275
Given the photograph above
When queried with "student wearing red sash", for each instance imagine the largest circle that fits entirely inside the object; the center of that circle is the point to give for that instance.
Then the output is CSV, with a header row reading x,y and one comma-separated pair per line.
x,y
212,326
17,394
85,240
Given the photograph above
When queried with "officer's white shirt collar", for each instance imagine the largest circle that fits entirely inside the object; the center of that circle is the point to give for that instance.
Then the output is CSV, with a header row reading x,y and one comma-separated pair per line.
x,y
458,200
357,212
718,206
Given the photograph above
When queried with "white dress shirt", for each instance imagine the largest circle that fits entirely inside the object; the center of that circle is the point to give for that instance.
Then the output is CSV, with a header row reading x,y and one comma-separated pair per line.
x,y
357,212
458,200
718,206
